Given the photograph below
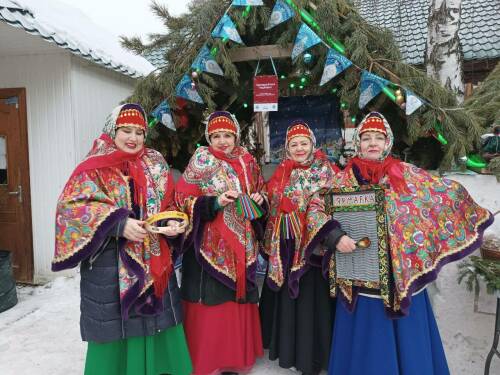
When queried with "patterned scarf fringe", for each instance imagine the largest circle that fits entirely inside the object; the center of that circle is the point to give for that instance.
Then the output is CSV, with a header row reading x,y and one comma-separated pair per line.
x,y
247,208
290,225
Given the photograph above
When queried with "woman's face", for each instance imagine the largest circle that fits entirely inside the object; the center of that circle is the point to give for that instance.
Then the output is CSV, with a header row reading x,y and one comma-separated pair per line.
x,y
372,145
300,148
129,139
223,141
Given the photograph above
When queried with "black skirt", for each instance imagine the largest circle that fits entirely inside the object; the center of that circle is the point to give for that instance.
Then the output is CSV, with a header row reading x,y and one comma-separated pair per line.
x,y
299,331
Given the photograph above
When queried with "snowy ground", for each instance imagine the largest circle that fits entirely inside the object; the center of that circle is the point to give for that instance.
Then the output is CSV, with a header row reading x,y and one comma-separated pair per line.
x,y
40,335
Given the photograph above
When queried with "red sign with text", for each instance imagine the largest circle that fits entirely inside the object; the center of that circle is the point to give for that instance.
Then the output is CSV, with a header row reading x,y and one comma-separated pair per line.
x,y
265,93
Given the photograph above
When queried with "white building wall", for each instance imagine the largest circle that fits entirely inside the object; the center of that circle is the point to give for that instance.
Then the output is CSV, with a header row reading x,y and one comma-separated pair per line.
x,y
68,100
50,138
95,91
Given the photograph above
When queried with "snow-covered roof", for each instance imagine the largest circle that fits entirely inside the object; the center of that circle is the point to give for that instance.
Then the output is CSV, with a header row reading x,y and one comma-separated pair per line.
x,y
71,29
407,19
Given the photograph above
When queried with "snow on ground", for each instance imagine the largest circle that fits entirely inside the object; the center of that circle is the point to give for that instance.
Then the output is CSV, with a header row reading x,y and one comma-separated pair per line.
x,y
40,335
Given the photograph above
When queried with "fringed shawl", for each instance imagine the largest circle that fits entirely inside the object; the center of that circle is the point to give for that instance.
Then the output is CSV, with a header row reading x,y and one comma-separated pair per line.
x,y
225,247
432,221
96,198
297,221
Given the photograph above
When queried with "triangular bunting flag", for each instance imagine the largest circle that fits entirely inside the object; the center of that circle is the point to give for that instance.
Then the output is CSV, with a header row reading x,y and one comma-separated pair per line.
x,y
226,28
162,114
306,38
335,64
371,86
206,63
186,90
242,3
281,12
413,102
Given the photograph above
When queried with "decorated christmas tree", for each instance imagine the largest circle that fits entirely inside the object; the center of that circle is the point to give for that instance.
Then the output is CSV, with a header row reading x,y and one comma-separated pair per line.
x,y
368,74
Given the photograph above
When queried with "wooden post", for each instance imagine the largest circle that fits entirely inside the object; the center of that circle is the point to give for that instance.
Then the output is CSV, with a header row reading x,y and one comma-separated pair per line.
x,y
260,52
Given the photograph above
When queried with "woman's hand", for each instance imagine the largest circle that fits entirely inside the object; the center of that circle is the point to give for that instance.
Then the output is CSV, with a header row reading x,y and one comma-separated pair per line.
x,y
228,197
257,198
346,244
175,227
134,230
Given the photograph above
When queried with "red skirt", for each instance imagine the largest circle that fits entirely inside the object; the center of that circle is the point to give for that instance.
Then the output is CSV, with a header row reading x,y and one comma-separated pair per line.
x,y
225,337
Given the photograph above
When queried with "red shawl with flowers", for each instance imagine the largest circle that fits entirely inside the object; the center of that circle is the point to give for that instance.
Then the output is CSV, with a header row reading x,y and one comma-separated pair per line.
x,y
294,190
431,221
97,197
228,248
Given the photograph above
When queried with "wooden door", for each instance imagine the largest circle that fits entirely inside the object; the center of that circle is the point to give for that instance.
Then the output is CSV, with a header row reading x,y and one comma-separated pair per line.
x,y
15,207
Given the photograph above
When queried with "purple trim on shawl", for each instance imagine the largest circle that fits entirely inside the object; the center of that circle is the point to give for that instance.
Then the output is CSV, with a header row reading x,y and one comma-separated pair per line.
x,y
294,277
176,245
424,279
359,177
197,239
287,248
95,243
432,275
148,304
133,293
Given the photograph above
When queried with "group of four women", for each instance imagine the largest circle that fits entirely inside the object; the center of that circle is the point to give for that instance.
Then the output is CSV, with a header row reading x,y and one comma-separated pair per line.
x,y
137,321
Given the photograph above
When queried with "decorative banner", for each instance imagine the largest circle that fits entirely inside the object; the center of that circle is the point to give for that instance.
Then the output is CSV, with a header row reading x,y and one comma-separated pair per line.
x,y
281,12
335,64
371,86
241,3
413,102
265,93
306,38
226,28
185,89
162,114
206,63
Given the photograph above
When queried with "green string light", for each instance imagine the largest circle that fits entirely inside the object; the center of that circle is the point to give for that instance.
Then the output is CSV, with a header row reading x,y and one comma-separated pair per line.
x,y
314,25
303,80
387,91
301,87
439,136
343,105
353,119
283,76
334,90
152,122
246,12
292,85
475,161
245,105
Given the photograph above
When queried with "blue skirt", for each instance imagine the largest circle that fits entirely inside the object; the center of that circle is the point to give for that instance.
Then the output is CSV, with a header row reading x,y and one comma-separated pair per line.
x,y
366,342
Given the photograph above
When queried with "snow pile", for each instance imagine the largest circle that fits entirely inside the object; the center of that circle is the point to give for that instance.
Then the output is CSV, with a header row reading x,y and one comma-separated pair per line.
x,y
68,25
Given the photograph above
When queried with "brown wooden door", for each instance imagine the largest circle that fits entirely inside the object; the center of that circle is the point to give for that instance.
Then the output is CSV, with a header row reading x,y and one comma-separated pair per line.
x,y
15,207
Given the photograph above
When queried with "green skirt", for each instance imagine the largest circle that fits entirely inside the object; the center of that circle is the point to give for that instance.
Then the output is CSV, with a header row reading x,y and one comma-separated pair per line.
x,y
164,353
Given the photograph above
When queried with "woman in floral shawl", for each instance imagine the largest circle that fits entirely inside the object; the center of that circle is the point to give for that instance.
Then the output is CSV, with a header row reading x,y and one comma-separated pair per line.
x,y
295,307
130,302
391,329
220,190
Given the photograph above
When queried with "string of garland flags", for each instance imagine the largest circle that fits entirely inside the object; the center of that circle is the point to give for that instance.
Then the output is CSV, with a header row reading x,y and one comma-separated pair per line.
x,y
371,85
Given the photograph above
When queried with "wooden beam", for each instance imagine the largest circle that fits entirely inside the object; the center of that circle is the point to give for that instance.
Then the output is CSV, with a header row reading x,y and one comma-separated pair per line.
x,y
260,52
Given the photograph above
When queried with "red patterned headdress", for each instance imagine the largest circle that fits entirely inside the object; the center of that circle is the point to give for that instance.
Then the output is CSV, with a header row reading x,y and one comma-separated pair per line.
x,y
131,116
221,121
373,123
299,128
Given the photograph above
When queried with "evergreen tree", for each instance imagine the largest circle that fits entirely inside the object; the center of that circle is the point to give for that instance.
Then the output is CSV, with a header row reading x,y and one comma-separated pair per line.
x,y
367,46
485,102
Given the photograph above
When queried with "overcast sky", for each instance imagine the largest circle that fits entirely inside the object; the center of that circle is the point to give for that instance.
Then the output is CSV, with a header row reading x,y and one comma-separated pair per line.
x,y
127,17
